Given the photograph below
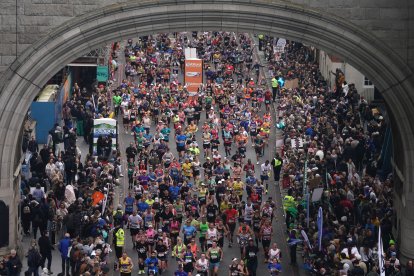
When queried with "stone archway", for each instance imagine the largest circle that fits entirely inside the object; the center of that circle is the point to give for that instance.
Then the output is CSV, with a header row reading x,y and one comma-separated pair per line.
x,y
23,80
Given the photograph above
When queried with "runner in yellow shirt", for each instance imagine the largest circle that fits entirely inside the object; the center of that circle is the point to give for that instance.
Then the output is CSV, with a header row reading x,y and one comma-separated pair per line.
x,y
125,265
187,169
238,187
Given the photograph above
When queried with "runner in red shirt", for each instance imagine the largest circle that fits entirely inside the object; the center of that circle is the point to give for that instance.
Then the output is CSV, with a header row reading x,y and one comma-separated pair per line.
x,y
231,217
249,168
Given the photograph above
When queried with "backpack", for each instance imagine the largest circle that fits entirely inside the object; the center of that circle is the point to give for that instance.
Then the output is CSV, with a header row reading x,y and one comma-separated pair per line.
x,y
37,218
118,217
34,258
26,210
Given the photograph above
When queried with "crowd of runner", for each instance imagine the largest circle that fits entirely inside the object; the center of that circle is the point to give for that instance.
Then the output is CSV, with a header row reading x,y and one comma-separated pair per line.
x,y
200,205
191,201
176,205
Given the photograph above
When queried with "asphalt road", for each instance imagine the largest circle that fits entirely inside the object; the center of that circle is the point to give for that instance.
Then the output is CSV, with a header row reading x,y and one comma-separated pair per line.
x,y
279,226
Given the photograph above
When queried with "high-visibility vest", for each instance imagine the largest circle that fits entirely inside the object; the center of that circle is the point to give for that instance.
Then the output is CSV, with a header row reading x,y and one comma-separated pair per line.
x,y
260,36
288,201
275,83
277,162
120,237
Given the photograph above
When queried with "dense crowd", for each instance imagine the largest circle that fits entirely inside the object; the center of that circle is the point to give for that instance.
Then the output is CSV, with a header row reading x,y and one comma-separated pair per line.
x,y
337,137
192,190
173,190
187,201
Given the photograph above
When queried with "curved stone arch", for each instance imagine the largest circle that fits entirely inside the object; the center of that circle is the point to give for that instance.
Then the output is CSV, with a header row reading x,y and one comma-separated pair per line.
x,y
23,80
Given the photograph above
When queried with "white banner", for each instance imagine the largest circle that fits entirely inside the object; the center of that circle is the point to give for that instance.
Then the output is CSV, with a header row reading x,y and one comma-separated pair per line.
x,y
105,127
280,45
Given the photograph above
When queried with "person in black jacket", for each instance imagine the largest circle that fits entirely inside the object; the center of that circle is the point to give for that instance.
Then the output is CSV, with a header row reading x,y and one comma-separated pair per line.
x,y
26,216
45,248
33,260
131,151
100,146
107,146
70,168
38,218
13,264
33,146
88,127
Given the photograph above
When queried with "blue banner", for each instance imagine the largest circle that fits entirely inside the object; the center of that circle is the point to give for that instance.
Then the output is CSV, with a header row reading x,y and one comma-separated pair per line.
x,y
307,209
320,227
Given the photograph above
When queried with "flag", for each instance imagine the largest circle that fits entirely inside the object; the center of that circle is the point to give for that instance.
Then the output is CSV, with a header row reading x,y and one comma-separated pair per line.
x,y
105,200
320,226
96,197
292,242
104,204
70,194
307,209
380,254
306,239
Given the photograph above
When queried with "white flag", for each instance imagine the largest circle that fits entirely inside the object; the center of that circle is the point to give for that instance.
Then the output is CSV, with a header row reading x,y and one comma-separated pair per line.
x,y
105,200
380,254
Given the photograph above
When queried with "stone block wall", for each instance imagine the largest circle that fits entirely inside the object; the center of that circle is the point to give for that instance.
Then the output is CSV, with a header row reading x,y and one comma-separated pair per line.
x,y
391,21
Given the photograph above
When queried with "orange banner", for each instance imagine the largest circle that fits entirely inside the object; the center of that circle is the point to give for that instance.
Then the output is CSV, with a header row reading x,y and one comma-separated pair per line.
x,y
193,75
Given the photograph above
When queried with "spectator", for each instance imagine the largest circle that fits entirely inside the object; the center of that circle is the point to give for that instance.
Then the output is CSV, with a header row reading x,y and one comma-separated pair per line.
x,y
34,260
13,264
33,146
64,246
45,249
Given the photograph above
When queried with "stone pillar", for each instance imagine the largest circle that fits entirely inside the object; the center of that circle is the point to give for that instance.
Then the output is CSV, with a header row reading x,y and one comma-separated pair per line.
x,y
406,245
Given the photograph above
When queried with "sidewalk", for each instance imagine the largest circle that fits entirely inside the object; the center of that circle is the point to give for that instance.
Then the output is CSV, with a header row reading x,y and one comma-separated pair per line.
x,y
279,144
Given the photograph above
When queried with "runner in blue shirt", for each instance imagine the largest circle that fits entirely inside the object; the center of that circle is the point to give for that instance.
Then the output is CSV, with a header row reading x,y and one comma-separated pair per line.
x,y
129,204
147,141
274,267
189,232
180,139
152,264
174,191
180,271
142,206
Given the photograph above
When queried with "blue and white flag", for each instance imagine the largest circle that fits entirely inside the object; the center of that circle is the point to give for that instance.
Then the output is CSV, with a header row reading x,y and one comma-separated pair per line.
x,y
380,254
292,242
320,226
306,239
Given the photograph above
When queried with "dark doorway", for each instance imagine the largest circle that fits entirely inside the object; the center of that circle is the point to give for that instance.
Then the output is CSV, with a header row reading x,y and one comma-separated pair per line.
x,y
4,220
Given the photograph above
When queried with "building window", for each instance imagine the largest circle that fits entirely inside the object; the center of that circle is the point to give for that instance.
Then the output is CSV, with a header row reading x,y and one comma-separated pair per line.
x,y
367,82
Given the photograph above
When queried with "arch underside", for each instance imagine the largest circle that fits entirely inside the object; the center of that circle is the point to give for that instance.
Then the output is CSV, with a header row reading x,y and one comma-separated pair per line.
x,y
22,82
